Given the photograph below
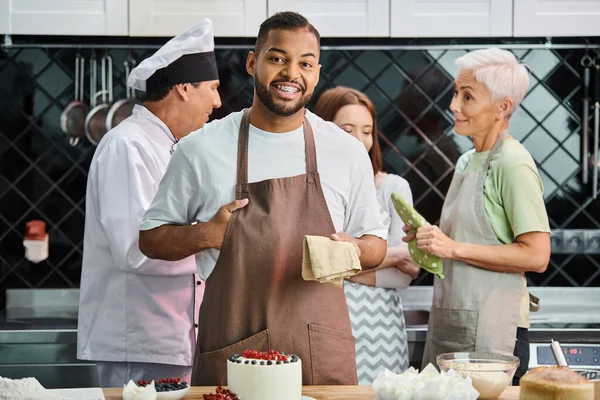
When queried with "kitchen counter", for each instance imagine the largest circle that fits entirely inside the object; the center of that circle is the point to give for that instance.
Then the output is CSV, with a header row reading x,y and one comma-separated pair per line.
x,y
317,392
38,329
38,337
39,316
48,315
38,325
568,315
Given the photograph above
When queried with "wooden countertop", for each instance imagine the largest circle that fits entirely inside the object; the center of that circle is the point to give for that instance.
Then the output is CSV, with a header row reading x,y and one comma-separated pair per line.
x,y
317,392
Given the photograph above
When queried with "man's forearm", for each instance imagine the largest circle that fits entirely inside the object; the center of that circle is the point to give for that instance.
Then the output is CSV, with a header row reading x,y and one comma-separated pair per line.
x,y
175,242
372,251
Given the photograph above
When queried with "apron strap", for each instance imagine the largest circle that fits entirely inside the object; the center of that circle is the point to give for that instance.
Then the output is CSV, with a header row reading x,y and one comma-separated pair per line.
x,y
309,148
242,157
493,151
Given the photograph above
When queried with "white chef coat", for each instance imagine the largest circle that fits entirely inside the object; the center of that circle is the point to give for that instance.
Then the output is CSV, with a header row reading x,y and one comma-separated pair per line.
x,y
202,176
132,308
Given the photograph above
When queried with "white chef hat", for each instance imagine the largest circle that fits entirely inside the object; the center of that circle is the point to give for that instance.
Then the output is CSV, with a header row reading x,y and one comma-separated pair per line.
x,y
188,57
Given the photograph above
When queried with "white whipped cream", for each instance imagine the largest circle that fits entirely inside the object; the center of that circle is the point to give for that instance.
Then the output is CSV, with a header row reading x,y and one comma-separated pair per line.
x,y
427,385
131,391
489,379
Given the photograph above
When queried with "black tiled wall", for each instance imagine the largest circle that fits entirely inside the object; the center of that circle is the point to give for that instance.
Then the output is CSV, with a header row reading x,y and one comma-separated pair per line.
x,y
43,177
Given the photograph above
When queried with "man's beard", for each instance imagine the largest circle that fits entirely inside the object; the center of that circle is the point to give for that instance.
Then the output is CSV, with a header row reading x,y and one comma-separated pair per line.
x,y
265,96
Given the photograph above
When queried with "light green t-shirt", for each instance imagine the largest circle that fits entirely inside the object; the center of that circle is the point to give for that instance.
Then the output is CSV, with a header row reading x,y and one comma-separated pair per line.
x,y
512,196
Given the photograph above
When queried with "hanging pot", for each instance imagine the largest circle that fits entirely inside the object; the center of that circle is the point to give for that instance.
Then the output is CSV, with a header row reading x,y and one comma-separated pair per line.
x,y
72,119
95,122
123,108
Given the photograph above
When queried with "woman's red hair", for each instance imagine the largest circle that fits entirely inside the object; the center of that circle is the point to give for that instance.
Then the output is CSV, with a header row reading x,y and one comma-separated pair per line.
x,y
332,100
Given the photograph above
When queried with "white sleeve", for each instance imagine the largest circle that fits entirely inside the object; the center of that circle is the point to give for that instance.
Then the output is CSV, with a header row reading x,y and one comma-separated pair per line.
x,y
400,186
392,278
362,212
125,190
177,200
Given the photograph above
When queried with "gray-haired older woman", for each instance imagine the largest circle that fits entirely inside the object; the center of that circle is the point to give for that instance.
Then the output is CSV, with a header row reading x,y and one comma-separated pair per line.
x,y
494,225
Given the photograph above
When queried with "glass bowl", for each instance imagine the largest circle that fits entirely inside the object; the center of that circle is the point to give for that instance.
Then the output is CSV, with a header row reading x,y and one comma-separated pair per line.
x,y
490,373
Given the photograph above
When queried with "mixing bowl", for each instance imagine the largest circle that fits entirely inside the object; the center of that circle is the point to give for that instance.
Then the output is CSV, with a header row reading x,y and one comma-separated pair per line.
x,y
491,373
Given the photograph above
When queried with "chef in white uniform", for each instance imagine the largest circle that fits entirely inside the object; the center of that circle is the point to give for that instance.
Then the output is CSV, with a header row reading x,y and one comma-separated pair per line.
x,y
137,316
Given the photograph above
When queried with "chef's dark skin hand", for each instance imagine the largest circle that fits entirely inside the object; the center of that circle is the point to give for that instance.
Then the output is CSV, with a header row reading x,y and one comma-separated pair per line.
x,y
176,242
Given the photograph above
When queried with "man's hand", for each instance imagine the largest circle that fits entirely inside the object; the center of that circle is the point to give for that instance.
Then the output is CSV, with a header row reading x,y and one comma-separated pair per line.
x,y
218,223
343,237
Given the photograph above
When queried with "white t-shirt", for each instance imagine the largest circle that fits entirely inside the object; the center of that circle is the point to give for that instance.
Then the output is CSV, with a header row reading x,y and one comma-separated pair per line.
x,y
201,176
393,278
391,219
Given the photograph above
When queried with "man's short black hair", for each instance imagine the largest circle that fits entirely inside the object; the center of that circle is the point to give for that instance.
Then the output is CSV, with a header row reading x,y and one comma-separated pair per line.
x,y
161,93
286,20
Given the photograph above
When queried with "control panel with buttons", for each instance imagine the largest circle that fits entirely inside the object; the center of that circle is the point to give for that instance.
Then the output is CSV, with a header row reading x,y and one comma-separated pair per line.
x,y
581,355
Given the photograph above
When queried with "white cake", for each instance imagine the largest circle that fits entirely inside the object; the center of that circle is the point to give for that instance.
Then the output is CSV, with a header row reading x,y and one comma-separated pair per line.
x,y
255,375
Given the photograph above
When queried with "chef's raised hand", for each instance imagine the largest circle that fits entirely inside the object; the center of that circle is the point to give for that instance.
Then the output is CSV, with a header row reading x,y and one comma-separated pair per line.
x,y
432,240
172,242
219,222
344,237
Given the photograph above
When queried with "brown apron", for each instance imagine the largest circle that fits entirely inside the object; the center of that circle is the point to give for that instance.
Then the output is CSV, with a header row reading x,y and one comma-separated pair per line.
x,y
255,298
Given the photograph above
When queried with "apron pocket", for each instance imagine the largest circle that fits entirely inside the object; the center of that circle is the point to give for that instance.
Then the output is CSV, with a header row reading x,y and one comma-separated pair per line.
x,y
332,356
210,368
453,330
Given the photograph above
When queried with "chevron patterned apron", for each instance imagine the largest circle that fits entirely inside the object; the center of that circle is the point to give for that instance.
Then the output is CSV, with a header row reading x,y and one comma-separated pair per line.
x,y
378,326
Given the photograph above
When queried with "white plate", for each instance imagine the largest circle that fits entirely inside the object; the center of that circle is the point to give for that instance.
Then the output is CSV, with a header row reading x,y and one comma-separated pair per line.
x,y
308,398
172,394
79,393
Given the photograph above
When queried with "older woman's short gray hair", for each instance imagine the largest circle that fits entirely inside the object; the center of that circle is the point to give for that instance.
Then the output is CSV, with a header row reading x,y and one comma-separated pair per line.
x,y
500,71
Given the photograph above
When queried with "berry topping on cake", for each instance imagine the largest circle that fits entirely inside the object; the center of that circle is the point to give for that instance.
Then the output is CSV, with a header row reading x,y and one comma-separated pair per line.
x,y
266,358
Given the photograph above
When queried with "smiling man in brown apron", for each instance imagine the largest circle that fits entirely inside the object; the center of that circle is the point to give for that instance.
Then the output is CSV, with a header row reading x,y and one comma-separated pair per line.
x,y
291,174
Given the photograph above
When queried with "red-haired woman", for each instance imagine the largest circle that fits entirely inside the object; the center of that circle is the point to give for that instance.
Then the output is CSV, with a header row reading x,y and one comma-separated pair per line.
x,y
373,299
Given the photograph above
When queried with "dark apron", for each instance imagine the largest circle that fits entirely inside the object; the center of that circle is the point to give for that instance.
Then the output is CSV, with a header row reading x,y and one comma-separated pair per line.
x,y
255,298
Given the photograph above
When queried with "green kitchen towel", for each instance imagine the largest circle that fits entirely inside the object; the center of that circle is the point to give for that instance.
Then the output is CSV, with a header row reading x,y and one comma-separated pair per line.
x,y
410,217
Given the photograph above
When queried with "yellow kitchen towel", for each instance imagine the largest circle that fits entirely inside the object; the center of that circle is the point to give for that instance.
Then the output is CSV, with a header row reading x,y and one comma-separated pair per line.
x,y
328,261
409,216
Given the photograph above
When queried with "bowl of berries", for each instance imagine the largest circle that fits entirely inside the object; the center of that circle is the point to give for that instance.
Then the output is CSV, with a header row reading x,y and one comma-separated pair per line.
x,y
168,388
